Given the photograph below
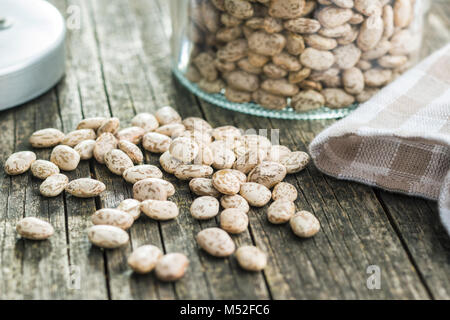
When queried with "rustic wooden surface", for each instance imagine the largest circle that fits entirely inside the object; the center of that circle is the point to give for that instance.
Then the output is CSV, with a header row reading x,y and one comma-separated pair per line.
x,y
118,64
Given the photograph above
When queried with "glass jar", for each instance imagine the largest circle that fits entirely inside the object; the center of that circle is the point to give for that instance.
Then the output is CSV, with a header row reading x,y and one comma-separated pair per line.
x,y
293,59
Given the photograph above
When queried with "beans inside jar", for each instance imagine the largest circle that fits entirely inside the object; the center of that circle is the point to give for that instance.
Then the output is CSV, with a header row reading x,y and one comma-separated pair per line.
x,y
300,53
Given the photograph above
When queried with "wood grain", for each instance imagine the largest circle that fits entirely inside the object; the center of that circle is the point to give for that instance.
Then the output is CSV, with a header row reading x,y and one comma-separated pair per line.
x,y
118,64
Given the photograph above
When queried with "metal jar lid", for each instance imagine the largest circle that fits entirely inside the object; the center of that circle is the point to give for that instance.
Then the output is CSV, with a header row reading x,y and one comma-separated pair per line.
x,y
32,34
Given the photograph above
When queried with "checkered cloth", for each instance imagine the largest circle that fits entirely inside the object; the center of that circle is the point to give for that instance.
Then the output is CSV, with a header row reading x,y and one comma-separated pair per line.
x,y
400,139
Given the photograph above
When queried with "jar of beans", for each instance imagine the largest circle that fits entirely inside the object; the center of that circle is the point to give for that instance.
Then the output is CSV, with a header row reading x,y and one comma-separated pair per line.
x,y
296,59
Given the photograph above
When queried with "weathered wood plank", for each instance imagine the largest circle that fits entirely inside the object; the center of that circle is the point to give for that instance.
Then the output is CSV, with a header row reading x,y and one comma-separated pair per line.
x,y
118,64
415,220
370,239
11,205
80,95
45,264
225,280
123,75
42,264
419,291
110,61
93,101
333,264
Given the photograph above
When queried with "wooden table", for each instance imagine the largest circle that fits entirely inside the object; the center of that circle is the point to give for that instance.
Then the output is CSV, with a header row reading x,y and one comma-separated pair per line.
x,y
118,64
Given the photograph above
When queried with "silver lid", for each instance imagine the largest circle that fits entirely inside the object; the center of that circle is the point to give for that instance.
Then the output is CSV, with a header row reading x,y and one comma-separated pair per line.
x,y
32,34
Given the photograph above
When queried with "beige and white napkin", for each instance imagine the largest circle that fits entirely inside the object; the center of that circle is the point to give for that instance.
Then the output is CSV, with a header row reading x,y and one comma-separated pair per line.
x,y
400,139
